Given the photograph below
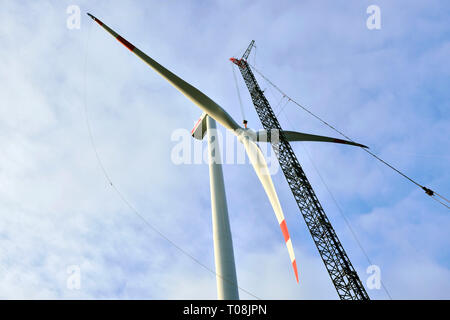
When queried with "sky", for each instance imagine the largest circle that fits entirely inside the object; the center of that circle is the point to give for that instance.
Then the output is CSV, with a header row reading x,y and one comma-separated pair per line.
x,y
60,216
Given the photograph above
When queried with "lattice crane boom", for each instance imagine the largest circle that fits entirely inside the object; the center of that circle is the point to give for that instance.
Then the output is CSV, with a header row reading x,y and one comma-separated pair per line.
x,y
344,277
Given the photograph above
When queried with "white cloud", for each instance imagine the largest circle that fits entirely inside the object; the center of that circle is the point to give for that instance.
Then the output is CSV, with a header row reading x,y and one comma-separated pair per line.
x,y
58,209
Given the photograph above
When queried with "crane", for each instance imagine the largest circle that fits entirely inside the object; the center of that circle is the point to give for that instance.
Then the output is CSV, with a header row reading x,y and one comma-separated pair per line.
x,y
342,273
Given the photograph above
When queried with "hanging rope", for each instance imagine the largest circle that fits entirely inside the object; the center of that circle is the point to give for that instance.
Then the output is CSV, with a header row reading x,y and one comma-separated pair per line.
x,y
238,93
428,191
281,109
278,105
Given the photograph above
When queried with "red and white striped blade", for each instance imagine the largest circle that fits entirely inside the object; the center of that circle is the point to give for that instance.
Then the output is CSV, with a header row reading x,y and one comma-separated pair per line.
x,y
262,171
196,96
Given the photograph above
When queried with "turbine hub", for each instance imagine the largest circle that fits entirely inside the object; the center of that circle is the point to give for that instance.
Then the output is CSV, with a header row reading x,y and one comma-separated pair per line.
x,y
246,133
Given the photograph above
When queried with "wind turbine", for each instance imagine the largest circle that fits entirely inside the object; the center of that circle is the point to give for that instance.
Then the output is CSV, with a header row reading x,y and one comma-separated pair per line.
x,y
212,112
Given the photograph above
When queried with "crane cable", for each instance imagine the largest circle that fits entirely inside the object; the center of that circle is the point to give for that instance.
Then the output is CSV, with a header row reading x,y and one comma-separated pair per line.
x,y
238,94
347,222
428,191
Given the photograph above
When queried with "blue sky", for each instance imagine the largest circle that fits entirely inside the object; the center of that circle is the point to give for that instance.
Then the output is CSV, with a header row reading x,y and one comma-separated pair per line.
x,y
385,88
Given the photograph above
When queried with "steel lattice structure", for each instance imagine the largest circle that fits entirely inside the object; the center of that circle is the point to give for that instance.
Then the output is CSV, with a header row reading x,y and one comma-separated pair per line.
x,y
344,277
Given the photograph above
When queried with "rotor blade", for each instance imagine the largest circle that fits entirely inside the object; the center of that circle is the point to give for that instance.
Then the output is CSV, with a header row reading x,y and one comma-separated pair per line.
x,y
299,136
192,93
262,171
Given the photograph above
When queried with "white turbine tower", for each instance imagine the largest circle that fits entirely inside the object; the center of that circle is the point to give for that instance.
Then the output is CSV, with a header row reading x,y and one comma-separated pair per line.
x,y
223,247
